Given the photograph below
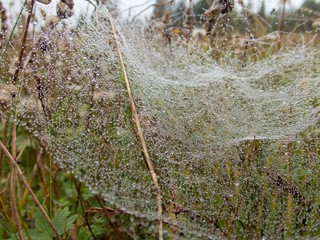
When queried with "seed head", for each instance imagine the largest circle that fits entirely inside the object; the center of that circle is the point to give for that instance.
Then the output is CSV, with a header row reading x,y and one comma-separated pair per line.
x,y
63,10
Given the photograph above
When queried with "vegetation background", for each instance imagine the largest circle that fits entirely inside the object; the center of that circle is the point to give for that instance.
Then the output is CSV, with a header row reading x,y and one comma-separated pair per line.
x,y
76,212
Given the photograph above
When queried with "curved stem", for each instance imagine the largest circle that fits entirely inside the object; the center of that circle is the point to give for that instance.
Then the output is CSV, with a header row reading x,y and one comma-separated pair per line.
x,y
139,133
24,181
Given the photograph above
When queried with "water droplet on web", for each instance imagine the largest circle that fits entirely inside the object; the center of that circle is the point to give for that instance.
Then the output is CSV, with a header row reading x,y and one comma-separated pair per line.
x,y
216,134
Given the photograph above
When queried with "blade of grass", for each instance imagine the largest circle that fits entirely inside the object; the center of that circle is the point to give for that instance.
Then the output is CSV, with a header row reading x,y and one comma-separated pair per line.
x,y
34,197
12,32
139,133
4,208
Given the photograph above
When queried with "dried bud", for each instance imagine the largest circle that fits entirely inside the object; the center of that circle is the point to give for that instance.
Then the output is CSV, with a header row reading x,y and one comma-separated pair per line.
x,y
52,21
63,10
44,1
167,19
199,34
43,13
14,65
44,44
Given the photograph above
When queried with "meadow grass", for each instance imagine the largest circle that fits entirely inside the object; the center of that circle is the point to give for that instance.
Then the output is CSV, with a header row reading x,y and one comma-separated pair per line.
x,y
262,188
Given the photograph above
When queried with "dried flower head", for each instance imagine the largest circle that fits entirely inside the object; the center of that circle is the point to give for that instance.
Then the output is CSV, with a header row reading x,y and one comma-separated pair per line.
x,y
52,21
44,44
13,65
199,34
64,10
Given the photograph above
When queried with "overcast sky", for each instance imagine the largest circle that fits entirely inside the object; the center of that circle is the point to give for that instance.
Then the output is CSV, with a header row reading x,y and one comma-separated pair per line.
x,y
270,4
83,5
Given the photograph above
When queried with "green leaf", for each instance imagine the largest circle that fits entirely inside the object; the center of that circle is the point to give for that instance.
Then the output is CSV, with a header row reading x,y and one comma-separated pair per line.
x,y
35,234
4,227
60,220
41,223
70,221
83,234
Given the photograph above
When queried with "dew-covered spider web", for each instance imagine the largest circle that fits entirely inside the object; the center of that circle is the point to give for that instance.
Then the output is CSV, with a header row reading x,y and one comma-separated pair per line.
x,y
234,147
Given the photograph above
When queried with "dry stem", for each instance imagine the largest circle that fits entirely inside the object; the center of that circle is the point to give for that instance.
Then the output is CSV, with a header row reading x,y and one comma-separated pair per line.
x,y
13,202
35,199
139,133
4,138
23,46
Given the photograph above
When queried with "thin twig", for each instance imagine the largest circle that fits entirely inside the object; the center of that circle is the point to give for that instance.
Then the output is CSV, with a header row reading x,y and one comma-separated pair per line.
x,y
4,138
81,200
106,213
23,46
13,201
150,6
24,181
139,133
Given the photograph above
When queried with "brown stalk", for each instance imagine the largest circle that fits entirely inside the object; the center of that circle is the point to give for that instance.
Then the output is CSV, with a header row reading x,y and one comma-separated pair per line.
x,y
4,138
13,201
139,133
40,91
25,183
42,177
23,46
81,200
283,12
32,174
287,186
107,214
4,208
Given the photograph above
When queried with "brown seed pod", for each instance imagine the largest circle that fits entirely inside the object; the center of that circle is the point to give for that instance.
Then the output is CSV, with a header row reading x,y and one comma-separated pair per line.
x,y
47,2
52,21
43,13
63,10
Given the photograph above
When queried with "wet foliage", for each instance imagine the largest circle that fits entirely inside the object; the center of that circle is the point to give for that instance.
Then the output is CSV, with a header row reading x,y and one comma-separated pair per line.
x,y
232,130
